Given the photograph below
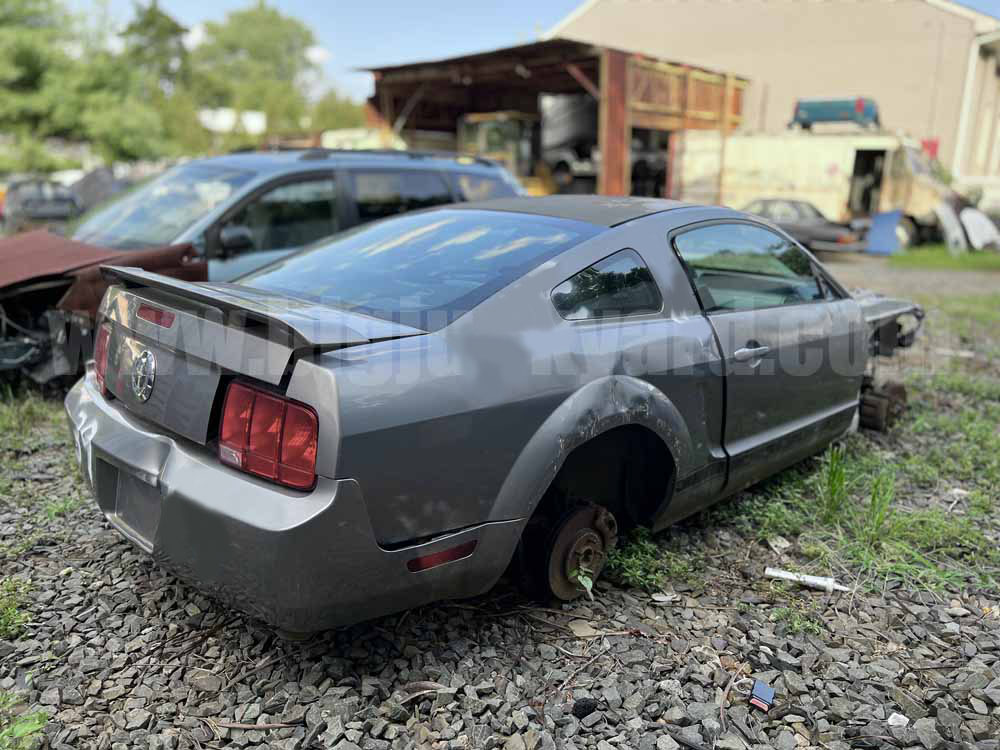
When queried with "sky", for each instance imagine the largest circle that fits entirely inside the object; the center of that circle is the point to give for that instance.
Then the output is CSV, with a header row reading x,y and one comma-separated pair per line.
x,y
369,33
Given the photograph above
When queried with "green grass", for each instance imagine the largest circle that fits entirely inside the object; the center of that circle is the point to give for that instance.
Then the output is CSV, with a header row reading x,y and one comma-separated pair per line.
x,y
19,730
871,511
797,619
640,562
845,506
19,412
60,507
937,258
833,489
12,614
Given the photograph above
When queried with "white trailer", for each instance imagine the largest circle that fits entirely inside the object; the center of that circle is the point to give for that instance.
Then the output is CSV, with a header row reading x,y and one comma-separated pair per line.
x,y
845,175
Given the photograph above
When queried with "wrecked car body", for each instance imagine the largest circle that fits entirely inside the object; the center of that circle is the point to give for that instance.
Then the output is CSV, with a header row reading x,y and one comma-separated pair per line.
x,y
50,288
401,413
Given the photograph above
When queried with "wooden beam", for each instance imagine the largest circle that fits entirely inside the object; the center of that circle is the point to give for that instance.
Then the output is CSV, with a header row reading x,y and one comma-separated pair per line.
x,y
614,132
574,70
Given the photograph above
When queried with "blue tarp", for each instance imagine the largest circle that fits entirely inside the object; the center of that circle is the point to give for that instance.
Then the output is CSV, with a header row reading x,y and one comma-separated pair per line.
x,y
882,239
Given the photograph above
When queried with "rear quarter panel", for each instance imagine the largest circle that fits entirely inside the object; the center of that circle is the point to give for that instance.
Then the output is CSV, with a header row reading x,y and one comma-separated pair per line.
x,y
469,424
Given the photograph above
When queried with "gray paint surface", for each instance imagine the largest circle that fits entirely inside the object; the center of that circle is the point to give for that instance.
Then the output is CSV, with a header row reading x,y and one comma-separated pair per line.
x,y
431,439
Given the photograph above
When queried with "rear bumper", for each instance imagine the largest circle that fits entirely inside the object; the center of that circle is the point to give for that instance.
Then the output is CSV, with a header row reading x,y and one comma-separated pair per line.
x,y
301,562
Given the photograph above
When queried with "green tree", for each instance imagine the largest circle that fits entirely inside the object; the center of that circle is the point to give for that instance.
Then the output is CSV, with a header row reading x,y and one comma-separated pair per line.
x,y
256,59
59,83
333,111
105,101
154,43
32,34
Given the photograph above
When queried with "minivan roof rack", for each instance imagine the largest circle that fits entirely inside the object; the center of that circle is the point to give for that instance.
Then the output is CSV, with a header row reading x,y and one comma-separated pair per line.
x,y
323,153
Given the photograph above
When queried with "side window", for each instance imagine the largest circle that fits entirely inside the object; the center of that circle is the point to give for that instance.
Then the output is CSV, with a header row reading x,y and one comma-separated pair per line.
x,y
289,216
745,267
381,193
477,187
618,285
783,211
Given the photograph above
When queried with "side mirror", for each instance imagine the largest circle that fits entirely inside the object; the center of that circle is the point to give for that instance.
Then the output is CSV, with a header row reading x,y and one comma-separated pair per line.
x,y
235,238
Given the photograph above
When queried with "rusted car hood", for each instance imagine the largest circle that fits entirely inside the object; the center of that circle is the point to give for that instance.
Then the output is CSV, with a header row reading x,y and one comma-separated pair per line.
x,y
41,254
31,255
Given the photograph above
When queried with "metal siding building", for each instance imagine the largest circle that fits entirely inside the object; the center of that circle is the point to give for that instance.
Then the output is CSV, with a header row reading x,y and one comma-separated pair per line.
x,y
931,65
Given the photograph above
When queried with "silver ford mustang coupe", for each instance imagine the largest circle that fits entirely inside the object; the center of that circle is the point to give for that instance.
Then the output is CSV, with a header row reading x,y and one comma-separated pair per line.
x,y
401,413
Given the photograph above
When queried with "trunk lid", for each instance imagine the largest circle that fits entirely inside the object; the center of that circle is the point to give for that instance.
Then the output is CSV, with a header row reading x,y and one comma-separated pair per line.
x,y
173,342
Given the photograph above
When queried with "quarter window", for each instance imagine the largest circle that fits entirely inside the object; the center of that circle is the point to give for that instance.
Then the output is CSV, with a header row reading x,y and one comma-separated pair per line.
x,y
745,267
621,284
386,193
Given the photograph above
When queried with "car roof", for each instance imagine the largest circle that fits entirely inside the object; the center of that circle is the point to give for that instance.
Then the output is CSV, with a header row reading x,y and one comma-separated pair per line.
x,y
299,160
602,210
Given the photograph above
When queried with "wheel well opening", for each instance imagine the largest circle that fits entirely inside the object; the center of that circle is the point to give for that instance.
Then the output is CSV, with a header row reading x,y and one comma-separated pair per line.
x,y
628,470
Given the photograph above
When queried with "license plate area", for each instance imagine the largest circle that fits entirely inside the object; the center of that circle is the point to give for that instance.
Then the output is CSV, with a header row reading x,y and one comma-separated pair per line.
x,y
132,505
162,386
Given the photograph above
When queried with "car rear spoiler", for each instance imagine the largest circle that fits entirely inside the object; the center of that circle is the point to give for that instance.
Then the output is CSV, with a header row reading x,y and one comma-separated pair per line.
x,y
299,323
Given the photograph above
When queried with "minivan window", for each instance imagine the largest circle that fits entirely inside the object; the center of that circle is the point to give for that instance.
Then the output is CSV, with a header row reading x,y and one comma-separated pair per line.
x,y
478,187
381,193
423,269
618,285
745,267
290,215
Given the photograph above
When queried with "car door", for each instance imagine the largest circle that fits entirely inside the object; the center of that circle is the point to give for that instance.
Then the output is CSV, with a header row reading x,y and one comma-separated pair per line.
x,y
790,344
274,221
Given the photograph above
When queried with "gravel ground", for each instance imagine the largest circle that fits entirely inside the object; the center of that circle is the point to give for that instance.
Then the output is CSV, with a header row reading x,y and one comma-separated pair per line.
x,y
121,654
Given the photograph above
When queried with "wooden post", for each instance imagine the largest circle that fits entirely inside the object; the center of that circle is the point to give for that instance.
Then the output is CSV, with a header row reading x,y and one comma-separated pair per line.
x,y
614,132
727,108
385,106
688,100
668,188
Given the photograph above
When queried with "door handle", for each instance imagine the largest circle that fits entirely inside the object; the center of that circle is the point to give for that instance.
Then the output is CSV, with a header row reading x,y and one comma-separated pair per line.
x,y
746,354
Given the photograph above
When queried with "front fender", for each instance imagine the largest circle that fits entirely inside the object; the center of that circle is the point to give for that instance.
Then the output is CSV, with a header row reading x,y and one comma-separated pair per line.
x,y
597,407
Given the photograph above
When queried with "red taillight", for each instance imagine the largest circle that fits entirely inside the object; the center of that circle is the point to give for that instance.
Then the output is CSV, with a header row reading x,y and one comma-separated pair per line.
x,y
101,355
440,558
155,315
269,436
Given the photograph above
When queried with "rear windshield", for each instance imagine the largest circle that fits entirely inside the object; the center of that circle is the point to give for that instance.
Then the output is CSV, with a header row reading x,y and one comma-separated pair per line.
x,y
423,269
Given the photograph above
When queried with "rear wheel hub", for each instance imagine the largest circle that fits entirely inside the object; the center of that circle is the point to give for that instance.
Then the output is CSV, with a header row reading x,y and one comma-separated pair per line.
x,y
580,546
